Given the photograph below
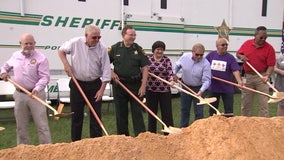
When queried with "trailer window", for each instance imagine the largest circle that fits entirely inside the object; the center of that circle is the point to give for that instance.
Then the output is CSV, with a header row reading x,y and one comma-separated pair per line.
x,y
163,4
264,8
82,0
126,2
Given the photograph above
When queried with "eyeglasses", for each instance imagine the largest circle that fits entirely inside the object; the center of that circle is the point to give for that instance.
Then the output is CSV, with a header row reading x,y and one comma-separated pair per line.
x,y
196,54
96,37
224,44
262,38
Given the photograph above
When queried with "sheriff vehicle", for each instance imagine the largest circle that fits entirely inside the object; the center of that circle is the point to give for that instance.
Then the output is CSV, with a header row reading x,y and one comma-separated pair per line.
x,y
179,23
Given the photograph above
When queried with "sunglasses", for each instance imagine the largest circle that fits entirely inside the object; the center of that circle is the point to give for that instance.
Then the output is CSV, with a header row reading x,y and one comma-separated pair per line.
x,y
96,37
224,44
198,55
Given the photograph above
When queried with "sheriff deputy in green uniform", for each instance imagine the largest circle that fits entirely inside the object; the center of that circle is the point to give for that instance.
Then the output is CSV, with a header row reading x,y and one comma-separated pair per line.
x,y
130,67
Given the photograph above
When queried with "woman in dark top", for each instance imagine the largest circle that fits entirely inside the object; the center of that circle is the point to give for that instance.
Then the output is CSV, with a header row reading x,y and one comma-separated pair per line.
x,y
157,92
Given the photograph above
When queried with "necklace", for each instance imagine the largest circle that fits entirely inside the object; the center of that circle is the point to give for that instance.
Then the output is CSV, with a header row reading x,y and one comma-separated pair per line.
x,y
157,59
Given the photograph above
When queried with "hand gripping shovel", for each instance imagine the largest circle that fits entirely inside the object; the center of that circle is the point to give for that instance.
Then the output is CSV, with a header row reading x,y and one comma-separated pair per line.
x,y
55,112
89,105
202,100
273,99
276,93
166,128
206,100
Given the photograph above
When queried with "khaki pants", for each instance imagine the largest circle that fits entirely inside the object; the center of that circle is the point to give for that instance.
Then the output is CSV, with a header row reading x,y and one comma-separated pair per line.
x,y
24,106
255,82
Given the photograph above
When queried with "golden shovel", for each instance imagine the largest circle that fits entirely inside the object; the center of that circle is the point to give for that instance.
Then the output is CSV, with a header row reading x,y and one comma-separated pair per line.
x,y
276,93
202,100
206,100
2,128
55,112
273,99
166,128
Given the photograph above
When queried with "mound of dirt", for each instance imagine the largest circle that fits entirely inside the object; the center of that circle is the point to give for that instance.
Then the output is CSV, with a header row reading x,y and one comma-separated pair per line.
x,y
213,138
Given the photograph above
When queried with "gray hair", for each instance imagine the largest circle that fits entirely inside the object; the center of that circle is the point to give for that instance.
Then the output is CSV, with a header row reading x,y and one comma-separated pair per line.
x,y
92,28
198,46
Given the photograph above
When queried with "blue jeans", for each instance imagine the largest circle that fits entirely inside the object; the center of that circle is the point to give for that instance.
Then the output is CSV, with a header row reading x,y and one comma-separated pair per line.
x,y
186,101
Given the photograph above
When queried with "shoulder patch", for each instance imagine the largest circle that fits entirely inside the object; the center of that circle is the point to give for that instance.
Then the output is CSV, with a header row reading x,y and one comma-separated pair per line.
x,y
109,49
143,52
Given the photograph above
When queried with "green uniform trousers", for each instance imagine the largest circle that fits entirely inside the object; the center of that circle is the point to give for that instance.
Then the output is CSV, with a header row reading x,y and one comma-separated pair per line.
x,y
122,98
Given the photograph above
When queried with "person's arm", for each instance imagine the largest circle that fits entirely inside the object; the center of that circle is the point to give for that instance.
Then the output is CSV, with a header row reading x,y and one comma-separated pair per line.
x,y
278,70
241,57
106,76
142,88
67,67
238,78
4,72
268,72
206,79
44,77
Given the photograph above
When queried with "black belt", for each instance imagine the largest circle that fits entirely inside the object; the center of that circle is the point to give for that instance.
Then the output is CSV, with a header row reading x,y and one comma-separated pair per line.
x,y
19,90
191,86
89,82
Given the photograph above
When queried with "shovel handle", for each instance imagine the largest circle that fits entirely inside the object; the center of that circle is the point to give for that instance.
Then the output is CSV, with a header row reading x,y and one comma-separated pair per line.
x,y
185,86
140,102
89,104
33,96
270,85
243,87
185,91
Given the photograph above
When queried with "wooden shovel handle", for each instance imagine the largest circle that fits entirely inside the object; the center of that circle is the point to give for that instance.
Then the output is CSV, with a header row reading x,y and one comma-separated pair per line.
x,y
243,87
89,104
185,91
140,102
267,82
34,96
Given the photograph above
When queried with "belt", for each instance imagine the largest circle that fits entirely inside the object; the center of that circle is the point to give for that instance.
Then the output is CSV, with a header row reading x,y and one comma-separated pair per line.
x,y
88,82
191,86
19,90
253,73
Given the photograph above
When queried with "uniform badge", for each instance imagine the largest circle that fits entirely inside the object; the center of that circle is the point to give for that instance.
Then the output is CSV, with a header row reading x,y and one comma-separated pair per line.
x,y
33,61
109,49
135,52
143,52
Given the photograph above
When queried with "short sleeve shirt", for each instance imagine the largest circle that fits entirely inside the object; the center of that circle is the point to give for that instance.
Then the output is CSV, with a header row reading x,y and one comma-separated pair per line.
x,y
259,57
222,66
127,61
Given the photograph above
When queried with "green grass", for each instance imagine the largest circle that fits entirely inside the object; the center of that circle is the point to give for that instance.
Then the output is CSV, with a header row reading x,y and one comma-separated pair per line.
x,y
60,129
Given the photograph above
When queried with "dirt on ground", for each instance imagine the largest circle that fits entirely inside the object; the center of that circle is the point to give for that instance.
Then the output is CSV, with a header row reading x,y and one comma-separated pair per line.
x,y
217,137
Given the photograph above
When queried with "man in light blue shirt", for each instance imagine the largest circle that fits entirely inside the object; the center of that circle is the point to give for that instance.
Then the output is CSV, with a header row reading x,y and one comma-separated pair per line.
x,y
196,74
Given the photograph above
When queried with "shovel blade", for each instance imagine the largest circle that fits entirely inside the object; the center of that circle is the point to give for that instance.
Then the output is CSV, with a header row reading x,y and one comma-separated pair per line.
x,y
2,128
274,100
172,130
206,100
59,110
63,114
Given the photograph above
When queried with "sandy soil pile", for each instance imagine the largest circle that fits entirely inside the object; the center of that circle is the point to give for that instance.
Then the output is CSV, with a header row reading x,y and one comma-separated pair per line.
x,y
213,138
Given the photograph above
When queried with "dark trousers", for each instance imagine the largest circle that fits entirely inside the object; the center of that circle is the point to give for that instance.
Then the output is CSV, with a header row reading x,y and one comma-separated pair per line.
x,y
228,102
121,99
186,101
164,99
78,103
